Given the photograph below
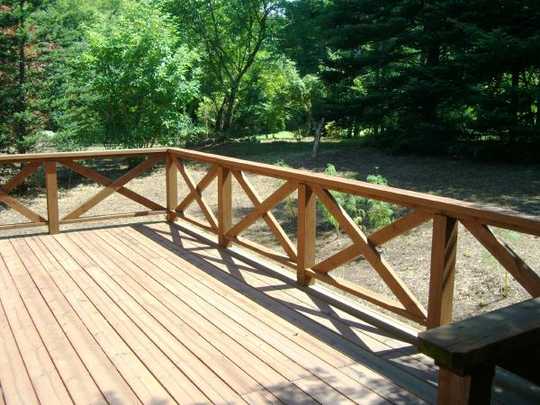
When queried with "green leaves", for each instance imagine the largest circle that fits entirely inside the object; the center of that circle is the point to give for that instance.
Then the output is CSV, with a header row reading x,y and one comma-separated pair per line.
x,y
135,80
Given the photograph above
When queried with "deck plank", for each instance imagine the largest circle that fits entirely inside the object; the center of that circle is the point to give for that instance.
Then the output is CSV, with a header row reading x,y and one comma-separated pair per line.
x,y
141,380
17,387
78,382
168,330
151,314
263,320
108,379
45,378
117,310
254,366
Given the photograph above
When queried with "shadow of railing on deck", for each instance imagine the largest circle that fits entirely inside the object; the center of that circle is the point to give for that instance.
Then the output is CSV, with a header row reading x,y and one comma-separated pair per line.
x,y
404,374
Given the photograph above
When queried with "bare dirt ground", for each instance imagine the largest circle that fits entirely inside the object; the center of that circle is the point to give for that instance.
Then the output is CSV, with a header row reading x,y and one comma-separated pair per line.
x,y
481,283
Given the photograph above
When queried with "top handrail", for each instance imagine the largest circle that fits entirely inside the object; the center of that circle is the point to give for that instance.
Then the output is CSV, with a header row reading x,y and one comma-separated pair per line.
x,y
499,217
503,218
89,154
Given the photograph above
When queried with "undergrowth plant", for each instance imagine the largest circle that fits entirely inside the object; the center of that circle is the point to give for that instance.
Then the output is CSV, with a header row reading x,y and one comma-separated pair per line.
x,y
366,213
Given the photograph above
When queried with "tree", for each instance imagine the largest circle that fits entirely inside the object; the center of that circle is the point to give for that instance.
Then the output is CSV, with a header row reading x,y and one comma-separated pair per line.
x,y
18,116
431,75
134,84
230,34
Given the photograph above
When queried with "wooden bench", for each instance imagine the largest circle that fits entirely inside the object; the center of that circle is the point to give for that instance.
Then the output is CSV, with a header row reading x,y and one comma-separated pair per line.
x,y
468,351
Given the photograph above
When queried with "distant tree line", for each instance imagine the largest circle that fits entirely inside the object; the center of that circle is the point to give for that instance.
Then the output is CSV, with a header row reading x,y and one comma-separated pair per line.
x,y
440,77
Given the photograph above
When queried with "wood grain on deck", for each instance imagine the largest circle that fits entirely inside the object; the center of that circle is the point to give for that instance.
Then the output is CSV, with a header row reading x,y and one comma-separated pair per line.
x,y
150,314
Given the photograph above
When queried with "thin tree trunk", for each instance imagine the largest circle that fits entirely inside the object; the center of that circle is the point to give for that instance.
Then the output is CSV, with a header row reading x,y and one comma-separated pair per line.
x,y
317,139
20,125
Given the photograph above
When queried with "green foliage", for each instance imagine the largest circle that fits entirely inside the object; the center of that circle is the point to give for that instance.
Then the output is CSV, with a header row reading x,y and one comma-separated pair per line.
x,y
277,97
19,112
134,83
366,213
430,76
229,34
444,76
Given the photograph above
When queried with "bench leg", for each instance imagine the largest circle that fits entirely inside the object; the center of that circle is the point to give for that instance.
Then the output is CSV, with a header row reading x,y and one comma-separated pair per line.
x,y
472,389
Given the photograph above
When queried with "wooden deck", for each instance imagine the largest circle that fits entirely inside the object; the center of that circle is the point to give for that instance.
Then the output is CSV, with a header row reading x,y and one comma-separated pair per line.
x,y
150,313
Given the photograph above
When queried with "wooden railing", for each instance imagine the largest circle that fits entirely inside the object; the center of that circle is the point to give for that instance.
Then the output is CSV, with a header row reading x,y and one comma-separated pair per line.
x,y
444,213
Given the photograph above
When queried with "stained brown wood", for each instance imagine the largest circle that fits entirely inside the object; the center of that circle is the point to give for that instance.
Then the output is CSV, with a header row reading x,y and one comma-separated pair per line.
x,y
263,251
20,208
268,217
201,186
84,155
104,181
135,321
438,205
504,254
363,293
485,338
196,192
307,233
20,177
399,227
171,186
340,258
442,273
224,205
476,218
400,290
113,187
109,217
441,205
51,185
269,203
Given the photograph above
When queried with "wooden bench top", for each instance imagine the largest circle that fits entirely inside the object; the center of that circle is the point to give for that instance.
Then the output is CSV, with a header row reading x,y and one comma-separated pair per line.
x,y
489,338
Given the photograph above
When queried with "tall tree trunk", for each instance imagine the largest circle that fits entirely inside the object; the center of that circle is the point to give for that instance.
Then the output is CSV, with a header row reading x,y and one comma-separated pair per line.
x,y
317,139
514,97
229,110
20,124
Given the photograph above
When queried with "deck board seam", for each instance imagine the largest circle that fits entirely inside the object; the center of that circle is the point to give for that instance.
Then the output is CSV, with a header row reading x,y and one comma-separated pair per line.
x,y
36,288
36,329
107,321
38,242
211,244
18,347
207,320
141,330
165,328
270,326
210,321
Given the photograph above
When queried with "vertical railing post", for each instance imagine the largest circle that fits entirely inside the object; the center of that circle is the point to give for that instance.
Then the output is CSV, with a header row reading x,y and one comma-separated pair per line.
x,y
51,185
224,204
307,229
443,263
441,297
171,174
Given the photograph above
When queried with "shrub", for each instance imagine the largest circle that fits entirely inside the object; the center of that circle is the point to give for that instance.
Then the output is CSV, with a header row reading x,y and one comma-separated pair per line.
x,y
366,213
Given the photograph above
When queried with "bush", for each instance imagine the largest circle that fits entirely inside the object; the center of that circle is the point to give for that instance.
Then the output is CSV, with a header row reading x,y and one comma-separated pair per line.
x,y
134,82
366,213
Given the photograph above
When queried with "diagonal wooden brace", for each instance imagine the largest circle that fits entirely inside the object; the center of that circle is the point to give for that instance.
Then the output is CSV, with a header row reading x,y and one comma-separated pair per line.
x,y
113,187
197,194
268,217
263,208
389,276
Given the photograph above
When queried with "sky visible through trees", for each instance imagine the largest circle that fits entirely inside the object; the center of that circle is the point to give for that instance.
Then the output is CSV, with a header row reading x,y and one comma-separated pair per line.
x,y
446,77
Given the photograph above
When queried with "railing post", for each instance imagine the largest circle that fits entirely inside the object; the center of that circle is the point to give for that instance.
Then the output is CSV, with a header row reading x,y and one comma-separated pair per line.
x,y
171,174
441,297
307,229
443,263
224,204
51,185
